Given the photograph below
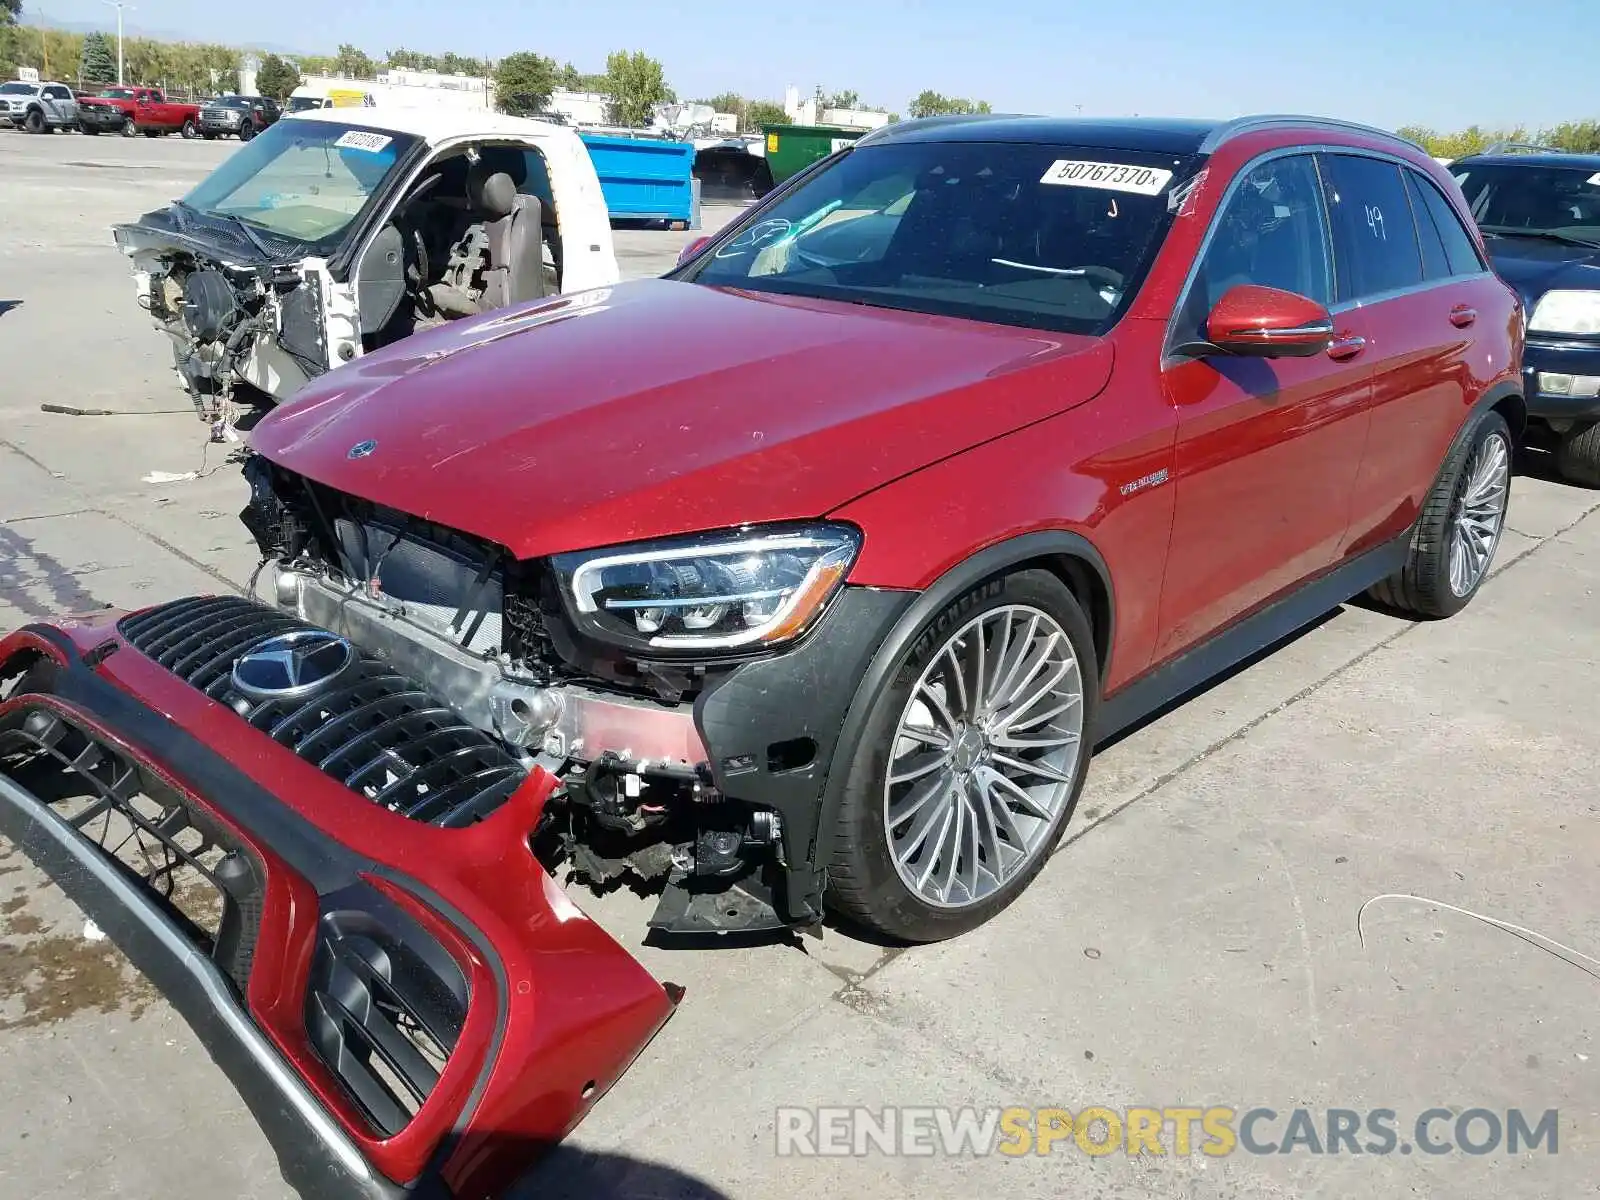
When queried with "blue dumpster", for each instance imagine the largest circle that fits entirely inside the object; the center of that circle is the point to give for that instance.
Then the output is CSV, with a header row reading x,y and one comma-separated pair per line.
x,y
644,179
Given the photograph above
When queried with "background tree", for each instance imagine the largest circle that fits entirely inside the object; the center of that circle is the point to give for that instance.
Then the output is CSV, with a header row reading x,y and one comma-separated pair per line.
x,y
411,60
932,104
763,112
317,64
1579,137
460,64
523,83
844,99
276,78
636,83
354,63
97,63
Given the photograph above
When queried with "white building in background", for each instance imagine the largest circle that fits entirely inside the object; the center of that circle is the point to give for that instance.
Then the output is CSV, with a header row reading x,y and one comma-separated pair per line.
x,y
811,112
407,88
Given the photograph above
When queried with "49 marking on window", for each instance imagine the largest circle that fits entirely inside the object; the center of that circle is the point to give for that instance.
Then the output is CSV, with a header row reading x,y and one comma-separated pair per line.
x,y
1112,177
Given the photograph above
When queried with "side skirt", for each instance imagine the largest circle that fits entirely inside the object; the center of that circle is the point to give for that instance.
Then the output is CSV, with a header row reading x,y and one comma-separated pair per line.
x,y
1154,690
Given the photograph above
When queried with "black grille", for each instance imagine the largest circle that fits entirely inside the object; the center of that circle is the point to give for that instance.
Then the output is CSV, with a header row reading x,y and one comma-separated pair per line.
x,y
383,1018
374,730
211,885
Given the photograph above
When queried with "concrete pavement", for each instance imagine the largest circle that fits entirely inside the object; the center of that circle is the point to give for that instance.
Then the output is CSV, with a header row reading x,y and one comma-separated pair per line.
x,y
1193,943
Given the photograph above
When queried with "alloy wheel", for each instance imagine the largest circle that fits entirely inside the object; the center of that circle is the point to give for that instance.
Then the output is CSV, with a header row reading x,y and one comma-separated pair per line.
x,y
1480,514
984,757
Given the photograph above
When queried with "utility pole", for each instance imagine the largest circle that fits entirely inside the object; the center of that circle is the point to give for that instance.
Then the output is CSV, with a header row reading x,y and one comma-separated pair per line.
x,y
119,5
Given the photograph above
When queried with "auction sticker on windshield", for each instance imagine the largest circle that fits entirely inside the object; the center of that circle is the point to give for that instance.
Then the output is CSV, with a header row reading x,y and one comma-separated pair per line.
x,y
360,139
1114,177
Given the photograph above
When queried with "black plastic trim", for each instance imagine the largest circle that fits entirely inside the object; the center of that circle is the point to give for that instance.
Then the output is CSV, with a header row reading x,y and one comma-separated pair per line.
x,y
801,694
324,863
1156,689
315,1161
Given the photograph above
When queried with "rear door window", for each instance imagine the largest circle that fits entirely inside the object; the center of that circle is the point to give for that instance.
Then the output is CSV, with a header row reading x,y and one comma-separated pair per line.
x,y
1374,238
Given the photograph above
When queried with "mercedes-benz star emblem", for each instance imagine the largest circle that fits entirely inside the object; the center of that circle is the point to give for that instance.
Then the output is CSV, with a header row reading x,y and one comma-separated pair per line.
x,y
293,665
362,449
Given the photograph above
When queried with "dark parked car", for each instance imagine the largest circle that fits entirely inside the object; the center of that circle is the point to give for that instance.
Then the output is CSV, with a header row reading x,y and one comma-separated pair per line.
x,y
241,116
1539,210
1014,430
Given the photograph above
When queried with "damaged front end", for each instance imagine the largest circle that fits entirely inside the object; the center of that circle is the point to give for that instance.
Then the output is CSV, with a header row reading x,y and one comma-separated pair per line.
x,y
699,778
402,994
239,305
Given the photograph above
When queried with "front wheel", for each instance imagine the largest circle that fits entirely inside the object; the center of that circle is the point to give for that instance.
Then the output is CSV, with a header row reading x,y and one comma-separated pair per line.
x,y
129,129
34,122
1455,538
246,132
1578,455
190,129
970,762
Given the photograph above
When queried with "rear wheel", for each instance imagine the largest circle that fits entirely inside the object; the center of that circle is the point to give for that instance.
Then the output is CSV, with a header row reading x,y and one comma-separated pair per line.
x,y
970,763
1578,455
1455,538
190,128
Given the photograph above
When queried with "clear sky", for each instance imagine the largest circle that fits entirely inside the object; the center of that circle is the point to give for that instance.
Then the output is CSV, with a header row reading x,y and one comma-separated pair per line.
x,y
1445,63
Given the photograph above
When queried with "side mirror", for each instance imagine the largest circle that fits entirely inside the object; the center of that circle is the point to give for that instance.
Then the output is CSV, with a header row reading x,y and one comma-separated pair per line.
x,y
693,248
1264,322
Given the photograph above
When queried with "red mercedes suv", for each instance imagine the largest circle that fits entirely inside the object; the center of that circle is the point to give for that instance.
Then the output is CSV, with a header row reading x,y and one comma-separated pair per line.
x,y
807,576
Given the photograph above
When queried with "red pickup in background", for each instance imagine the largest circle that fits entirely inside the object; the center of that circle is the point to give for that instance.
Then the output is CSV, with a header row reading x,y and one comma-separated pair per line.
x,y
131,110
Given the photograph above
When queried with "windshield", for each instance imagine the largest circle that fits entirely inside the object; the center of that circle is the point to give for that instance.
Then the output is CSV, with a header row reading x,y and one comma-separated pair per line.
x,y
301,103
17,89
306,180
116,94
1052,237
229,102
1537,201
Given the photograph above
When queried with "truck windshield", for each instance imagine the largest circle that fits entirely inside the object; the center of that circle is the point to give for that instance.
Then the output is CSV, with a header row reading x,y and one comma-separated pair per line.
x,y
116,94
1562,203
1042,236
301,179
302,103
17,89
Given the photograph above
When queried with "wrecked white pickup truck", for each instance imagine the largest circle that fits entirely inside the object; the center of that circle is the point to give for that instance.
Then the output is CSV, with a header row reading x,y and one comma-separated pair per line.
x,y
337,231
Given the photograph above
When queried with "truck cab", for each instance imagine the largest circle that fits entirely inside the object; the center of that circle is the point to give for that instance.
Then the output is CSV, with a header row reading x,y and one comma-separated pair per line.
x,y
38,107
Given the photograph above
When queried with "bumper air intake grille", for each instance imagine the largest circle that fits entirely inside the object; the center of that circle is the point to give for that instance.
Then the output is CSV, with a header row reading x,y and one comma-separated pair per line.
x,y
382,1019
375,731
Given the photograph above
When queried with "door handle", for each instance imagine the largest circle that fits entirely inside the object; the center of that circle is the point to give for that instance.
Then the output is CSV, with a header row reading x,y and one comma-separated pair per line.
x,y
1461,316
1345,348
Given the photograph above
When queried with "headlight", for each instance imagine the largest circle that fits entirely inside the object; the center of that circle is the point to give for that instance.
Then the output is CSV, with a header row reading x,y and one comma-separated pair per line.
x,y
760,587
1566,312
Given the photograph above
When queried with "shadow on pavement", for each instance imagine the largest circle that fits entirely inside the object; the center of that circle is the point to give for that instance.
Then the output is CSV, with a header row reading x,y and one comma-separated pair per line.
x,y
568,1173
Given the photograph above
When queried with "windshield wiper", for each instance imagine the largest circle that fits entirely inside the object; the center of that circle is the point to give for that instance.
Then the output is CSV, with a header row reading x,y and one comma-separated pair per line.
x,y
1549,235
261,247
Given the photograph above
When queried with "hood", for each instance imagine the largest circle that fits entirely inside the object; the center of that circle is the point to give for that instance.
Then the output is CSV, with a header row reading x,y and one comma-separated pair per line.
x,y
658,407
1535,266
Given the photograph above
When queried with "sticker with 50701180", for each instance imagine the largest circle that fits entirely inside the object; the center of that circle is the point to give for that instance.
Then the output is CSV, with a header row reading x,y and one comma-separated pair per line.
x,y
1111,177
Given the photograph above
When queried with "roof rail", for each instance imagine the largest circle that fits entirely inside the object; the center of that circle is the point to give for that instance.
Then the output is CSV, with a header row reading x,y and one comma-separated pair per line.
x,y
1239,126
1520,148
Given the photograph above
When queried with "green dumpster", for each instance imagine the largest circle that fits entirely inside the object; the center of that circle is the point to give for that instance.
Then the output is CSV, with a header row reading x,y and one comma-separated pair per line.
x,y
792,148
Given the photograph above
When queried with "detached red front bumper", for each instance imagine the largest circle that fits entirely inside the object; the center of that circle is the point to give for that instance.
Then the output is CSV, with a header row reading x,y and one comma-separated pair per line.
x,y
408,1010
